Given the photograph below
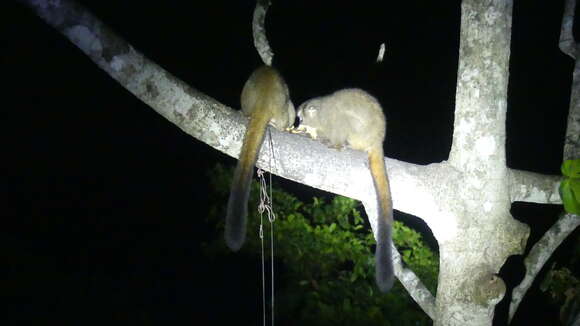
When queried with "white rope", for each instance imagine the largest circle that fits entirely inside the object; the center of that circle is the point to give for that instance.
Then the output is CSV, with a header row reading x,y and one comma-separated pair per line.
x,y
263,267
267,206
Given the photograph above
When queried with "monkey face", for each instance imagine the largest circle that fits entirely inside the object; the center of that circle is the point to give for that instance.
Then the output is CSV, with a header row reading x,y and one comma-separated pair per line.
x,y
308,119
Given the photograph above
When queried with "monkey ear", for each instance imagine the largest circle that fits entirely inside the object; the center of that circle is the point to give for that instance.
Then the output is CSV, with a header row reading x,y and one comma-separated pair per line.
x,y
310,110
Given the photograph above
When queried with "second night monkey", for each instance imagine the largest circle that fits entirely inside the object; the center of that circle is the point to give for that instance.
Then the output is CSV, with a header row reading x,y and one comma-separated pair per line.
x,y
265,100
354,118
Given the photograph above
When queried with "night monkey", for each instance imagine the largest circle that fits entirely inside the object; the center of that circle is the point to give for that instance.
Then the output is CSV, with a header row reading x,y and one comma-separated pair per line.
x,y
354,118
265,99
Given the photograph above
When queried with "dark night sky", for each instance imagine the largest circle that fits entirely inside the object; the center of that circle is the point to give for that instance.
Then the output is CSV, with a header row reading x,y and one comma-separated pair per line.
x,y
92,175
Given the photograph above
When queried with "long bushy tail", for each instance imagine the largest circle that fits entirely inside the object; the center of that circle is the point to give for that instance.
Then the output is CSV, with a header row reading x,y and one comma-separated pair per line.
x,y
383,256
235,229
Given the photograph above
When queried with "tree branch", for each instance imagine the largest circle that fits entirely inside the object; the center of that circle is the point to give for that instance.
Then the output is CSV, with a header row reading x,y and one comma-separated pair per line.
x,y
298,158
540,253
414,286
533,187
567,223
406,276
259,31
567,45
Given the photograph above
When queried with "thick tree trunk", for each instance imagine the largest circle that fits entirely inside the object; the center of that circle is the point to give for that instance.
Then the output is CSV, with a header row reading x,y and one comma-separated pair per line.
x,y
484,233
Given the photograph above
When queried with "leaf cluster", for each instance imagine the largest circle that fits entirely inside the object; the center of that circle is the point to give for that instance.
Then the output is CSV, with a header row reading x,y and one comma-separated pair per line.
x,y
570,186
326,251
562,287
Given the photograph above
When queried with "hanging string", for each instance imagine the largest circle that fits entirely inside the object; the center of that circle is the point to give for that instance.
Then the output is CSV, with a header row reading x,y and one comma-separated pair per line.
x,y
267,206
262,244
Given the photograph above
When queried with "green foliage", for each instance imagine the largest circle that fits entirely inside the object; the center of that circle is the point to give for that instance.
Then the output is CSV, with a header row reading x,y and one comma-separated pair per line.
x,y
563,288
417,255
570,186
327,254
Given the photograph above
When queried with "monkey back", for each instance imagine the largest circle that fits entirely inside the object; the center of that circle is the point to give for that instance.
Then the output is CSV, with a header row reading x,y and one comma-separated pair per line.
x,y
349,117
266,93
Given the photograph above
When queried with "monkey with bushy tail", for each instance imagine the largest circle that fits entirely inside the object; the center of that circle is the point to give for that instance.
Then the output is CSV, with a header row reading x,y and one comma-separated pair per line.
x,y
354,118
265,100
